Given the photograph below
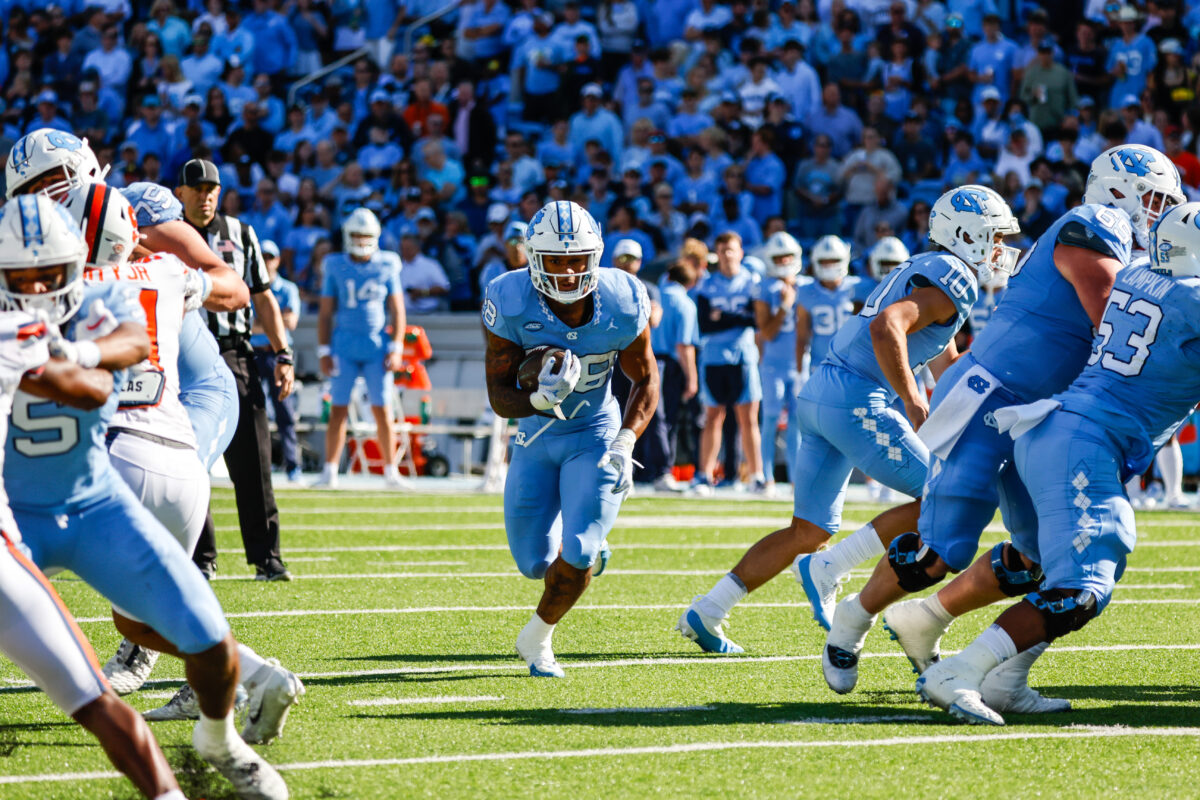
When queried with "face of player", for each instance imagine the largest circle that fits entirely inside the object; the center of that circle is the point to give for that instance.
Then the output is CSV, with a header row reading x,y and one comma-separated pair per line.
x,y
565,270
729,256
46,180
36,280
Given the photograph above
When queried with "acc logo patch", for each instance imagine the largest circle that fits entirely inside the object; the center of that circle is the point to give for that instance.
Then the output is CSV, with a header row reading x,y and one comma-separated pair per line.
x,y
978,384
533,326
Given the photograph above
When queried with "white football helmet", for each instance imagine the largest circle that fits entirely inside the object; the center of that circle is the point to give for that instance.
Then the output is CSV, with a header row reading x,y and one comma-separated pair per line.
x,y
1175,242
830,259
46,150
35,232
782,255
1137,179
361,222
887,254
563,228
967,221
107,222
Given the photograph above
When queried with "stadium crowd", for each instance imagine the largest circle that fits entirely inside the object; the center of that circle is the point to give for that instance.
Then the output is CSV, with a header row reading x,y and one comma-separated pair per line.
x,y
669,120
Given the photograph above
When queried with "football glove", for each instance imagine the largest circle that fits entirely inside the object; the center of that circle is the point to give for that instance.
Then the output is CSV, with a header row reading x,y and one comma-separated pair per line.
x,y
197,286
620,458
555,384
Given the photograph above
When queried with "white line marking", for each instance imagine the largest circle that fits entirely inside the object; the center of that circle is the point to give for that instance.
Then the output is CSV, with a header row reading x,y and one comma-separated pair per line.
x,y
308,559
696,660
672,749
404,701
412,563
865,720
636,710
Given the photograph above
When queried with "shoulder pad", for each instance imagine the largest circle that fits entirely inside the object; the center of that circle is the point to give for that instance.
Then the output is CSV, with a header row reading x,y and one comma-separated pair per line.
x,y
152,204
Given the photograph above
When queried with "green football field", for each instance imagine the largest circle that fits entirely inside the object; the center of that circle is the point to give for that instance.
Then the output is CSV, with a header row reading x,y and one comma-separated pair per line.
x,y
402,620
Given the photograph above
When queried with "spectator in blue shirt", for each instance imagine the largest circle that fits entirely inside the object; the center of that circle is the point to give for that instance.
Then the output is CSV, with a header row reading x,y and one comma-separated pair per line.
x,y
173,32
765,176
481,29
964,165
274,42
150,133
623,224
535,62
841,124
237,39
1131,58
595,122
47,115
572,26
991,60
202,67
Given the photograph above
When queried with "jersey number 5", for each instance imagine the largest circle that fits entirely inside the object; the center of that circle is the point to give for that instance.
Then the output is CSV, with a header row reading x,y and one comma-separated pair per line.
x,y
27,420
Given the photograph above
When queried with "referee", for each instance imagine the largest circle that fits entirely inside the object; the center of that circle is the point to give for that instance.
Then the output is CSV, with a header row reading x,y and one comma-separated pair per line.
x,y
248,457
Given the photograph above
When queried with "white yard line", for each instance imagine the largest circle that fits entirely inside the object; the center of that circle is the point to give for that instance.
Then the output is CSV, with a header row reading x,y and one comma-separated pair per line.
x,y
874,719
636,710
675,749
405,701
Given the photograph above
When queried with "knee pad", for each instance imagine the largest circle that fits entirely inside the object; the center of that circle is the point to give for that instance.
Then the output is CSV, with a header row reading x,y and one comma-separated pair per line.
x,y
1010,570
910,560
1064,610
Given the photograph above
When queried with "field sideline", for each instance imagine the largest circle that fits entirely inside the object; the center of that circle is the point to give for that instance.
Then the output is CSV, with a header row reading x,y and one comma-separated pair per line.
x,y
402,619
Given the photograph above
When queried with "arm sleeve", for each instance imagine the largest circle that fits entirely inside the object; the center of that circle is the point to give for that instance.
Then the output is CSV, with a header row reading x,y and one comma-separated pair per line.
x,y
728,320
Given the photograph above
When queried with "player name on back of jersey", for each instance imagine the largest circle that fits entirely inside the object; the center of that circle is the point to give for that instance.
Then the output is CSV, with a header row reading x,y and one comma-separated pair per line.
x,y
120,272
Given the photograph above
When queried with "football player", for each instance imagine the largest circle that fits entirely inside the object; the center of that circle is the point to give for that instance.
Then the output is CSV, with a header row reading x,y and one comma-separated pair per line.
x,y
1034,345
824,304
74,510
887,254
39,635
572,455
360,291
846,409
1075,451
151,442
781,373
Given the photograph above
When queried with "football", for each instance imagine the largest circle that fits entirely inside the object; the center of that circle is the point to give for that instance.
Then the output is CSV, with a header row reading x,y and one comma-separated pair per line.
x,y
527,374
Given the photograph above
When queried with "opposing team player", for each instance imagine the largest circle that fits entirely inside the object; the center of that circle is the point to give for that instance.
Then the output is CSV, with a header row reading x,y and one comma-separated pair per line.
x,y
151,442
1075,451
74,510
360,296
1034,345
781,372
38,633
845,410
572,457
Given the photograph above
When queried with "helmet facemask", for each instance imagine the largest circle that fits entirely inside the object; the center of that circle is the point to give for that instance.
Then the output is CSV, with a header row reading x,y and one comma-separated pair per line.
x,y
549,283
59,303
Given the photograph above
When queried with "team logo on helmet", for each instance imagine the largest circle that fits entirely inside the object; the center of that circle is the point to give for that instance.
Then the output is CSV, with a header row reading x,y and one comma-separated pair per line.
x,y
1135,162
968,202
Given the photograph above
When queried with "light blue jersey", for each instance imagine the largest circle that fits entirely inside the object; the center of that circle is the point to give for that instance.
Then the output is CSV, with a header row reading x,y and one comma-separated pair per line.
x,y
1035,343
55,456
984,309
1040,337
515,311
207,389
361,289
780,353
732,340
828,310
152,204
678,325
1142,382
557,499
852,348
781,378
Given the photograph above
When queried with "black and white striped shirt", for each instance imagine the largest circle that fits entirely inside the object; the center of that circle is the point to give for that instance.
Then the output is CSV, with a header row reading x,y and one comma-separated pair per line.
x,y
237,244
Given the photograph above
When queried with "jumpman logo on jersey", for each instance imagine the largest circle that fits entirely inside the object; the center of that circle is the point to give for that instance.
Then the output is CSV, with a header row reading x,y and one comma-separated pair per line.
x,y
1135,162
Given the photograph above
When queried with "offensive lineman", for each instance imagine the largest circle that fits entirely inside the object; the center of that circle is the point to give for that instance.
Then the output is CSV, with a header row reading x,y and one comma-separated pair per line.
x,y
845,410
1075,451
572,457
75,511
1034,345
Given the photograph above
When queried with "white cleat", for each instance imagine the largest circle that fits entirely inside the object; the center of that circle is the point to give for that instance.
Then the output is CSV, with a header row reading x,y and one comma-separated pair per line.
x,y
273,691
185,706
839,659
1006,688
918,632
129,667
539,656
666,483
327,480
814,572
394,480
251,776
706,630
954,687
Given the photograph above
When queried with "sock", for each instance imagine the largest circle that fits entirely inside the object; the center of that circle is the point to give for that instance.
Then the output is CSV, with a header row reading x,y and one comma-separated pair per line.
x,y
862,545
537,629
249,662
852,607
721,599
934,606
992,647
329,469
174,794
218,730
851,624
1170,464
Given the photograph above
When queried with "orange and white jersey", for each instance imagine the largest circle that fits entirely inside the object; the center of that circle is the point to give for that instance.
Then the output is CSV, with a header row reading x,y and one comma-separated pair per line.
x,y
149,396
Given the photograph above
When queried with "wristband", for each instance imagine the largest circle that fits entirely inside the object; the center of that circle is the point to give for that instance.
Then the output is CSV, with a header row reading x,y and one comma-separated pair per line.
x,y
324,350
625,440
207,284
284,357
88,354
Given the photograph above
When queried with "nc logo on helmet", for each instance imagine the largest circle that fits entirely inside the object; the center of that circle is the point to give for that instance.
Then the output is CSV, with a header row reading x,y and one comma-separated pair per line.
x,y
1135,162
968,202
